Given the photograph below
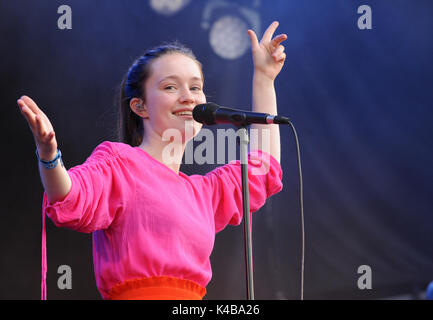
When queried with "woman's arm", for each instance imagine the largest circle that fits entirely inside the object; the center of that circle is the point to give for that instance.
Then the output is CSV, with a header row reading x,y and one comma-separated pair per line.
x,y
56,181
268,57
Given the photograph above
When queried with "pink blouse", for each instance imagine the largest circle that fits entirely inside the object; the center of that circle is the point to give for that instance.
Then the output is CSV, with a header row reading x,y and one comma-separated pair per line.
x,y
149,221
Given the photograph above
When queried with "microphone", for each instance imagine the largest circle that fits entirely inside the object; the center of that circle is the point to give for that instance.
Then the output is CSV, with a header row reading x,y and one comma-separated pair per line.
x,y
211,113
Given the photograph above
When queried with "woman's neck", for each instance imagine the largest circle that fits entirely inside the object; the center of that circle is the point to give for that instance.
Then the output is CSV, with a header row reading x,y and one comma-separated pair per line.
x,y
169,153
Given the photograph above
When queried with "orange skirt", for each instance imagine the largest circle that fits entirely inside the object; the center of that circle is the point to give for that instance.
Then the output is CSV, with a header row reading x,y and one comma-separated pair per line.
x,y
157,288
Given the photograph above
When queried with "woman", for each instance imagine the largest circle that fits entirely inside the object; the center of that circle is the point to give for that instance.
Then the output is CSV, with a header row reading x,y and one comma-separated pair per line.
x,y
153,226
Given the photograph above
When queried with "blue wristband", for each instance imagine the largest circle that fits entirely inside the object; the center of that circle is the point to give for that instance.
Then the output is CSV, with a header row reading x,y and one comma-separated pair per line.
x,y
52,163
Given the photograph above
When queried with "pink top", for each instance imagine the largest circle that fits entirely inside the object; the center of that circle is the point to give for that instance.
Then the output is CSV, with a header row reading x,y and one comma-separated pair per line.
x,y
149,221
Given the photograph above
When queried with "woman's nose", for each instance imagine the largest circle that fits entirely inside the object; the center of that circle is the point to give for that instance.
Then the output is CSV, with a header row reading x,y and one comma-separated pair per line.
x,y
187,96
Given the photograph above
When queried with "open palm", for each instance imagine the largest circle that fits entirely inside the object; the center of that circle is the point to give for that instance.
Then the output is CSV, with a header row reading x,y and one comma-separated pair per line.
x,y
40,125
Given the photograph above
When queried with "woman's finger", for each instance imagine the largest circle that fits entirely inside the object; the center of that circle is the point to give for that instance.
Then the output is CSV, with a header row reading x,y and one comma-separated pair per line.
x,y
253,39
42,130
278,51
28,114
31,104
22,105
278,39
40,126
49,138
267,36
280,58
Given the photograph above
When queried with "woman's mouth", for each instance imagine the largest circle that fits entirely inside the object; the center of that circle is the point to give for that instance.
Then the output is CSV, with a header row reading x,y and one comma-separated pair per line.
x,y
184,114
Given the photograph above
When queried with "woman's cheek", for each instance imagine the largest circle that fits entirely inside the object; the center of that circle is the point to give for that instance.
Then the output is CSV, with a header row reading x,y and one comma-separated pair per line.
x,y
202,98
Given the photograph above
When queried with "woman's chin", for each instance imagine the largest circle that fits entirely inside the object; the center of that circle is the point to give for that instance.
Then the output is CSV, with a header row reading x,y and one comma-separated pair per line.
x,y
190,130
187,136
183,132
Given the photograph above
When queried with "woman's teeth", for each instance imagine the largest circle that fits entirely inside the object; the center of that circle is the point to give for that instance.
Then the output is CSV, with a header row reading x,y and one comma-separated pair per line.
x,y
184,113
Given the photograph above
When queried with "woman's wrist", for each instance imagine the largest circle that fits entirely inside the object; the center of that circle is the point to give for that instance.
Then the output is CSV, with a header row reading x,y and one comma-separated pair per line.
x,y
262,78
46,155
50,161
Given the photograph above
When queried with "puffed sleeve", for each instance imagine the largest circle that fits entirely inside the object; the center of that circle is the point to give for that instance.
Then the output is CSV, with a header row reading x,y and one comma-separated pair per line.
x,y
100,191
225,184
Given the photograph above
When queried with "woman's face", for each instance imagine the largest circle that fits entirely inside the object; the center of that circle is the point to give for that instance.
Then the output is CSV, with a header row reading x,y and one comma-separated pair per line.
x,y
175,84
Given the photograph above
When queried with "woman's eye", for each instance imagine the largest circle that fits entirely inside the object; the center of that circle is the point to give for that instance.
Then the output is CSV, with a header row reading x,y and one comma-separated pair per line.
x,y
169,88
196,88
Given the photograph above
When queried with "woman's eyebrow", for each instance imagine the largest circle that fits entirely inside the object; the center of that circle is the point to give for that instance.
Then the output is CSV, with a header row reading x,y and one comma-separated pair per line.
x,y
178,78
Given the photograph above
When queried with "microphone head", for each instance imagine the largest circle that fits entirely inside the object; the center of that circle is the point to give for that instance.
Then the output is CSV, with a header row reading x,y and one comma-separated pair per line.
x,y
205,113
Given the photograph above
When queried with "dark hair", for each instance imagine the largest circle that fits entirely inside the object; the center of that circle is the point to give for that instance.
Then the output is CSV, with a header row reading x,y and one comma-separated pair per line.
x,y
130,128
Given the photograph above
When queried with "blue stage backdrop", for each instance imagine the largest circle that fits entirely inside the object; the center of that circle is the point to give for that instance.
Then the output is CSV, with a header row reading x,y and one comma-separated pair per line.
x,y
361,101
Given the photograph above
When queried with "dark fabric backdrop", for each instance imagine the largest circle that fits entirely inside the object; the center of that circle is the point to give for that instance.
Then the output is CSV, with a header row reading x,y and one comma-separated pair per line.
x,y
361,101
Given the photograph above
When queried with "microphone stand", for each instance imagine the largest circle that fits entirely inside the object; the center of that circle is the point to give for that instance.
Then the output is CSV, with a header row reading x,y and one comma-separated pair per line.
x,y
211,113
243,137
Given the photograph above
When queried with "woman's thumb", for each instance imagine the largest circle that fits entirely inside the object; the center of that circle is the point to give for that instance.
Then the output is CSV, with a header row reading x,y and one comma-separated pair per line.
x,y
253,39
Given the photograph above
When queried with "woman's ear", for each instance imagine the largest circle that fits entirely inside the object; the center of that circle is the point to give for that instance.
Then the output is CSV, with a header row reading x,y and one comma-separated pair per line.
x,y
138,107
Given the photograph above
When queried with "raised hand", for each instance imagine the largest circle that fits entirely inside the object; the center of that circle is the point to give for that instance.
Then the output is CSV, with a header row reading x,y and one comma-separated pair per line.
x,y
41,127
268,55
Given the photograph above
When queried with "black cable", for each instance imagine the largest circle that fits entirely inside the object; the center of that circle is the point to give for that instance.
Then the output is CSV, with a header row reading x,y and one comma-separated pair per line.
x,y
301,202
